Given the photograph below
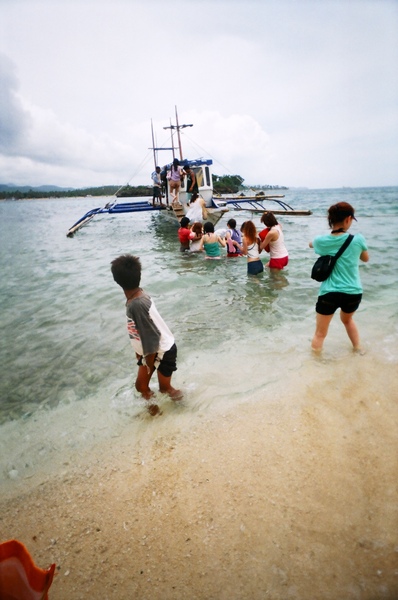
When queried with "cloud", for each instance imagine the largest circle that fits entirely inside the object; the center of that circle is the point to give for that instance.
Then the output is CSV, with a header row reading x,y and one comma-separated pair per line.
x,y
289,93
14,120
36,147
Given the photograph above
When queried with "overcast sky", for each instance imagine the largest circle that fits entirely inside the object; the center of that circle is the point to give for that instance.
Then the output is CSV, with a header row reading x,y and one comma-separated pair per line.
x,y
296,93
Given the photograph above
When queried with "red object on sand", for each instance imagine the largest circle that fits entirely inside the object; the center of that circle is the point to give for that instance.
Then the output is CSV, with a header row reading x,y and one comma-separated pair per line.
x,y
20,579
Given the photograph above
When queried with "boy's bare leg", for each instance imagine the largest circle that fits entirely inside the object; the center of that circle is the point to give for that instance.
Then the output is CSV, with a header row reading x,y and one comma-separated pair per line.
x,y
142,385
142,382
165,387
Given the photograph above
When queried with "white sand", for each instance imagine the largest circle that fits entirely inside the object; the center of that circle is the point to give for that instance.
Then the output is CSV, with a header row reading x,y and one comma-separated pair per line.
x,y
283,500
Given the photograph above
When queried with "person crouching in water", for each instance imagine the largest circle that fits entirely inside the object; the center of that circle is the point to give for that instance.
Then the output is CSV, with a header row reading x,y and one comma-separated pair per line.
x,y
273,242
251,248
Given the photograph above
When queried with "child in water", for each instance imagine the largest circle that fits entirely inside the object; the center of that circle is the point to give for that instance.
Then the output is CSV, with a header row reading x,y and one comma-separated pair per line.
x,y
211,242
149,335
184,234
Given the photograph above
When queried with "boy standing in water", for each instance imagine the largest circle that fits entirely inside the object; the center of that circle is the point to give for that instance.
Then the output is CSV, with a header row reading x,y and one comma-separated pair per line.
x,y
149,335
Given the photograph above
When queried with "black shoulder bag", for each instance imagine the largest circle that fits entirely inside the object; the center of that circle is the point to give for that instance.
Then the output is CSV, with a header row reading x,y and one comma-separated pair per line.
x,y
324,265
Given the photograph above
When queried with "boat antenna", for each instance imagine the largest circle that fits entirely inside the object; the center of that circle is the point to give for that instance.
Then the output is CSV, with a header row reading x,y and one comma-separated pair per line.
x,y
177,126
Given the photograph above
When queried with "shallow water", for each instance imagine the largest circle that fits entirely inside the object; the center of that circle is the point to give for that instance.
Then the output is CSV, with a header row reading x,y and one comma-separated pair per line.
x,y
67,366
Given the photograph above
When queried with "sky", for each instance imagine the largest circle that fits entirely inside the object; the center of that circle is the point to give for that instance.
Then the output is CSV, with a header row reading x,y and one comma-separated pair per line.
x,y
298,93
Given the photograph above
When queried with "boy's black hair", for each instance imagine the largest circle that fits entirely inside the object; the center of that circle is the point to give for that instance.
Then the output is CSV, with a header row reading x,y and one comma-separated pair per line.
x,y
184,222
126,271
232,223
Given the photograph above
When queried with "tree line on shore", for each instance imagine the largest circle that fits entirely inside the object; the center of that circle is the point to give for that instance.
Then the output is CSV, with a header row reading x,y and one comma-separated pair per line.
x,y
222,184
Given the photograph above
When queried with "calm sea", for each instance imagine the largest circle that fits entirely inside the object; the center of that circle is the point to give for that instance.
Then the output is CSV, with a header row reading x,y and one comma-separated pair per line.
x,y
67,368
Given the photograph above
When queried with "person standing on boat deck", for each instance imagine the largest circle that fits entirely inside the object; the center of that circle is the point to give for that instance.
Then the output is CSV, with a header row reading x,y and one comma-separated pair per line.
x,y
274,239
152,340
192,184
163,179
157,186
251,248
174,176
343,288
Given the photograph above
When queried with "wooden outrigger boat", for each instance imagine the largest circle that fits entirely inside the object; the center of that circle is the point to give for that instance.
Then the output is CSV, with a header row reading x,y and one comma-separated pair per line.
x,y
201,168
216,206
255,204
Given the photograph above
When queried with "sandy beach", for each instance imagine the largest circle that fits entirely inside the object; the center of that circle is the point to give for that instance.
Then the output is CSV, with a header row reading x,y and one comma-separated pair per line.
x,y
261,502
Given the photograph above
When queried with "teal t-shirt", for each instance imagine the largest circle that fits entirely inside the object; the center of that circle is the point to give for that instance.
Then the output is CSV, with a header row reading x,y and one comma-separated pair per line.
x,y
345,276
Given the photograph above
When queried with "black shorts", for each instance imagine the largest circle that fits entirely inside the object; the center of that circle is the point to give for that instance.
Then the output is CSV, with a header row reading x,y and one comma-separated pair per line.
x,y
156,192
168,363
329,303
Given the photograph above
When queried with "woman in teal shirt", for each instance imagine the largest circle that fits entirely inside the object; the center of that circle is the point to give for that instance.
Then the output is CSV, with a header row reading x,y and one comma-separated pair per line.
x,y
343,288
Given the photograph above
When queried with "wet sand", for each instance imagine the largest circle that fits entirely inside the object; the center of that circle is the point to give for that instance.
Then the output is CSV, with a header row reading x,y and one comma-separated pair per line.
x,y
282,500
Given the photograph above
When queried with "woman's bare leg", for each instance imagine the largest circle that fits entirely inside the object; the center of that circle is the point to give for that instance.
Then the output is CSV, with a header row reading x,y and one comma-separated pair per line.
x,y
351,328
321,331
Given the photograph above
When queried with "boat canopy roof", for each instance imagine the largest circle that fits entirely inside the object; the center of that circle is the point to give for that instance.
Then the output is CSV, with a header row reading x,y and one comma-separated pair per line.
x,y
198,162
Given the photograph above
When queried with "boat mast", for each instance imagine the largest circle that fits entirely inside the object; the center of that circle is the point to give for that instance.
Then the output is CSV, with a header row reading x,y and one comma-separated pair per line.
x,y
178,134
172,139
177,126
153,146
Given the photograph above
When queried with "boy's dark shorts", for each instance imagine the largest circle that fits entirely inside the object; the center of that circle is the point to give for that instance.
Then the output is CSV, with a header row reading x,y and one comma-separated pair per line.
x,y
168,364
156,191
329,303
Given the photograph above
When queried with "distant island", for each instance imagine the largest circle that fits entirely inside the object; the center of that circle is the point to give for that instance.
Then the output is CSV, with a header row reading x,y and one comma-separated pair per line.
x,y
222,184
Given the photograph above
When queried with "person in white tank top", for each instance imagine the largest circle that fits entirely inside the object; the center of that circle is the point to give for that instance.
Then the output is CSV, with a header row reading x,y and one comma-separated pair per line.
x,y
250,248
275,239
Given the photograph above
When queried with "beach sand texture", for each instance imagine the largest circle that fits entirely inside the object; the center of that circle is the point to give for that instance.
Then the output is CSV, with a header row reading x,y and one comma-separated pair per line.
x,y
259,502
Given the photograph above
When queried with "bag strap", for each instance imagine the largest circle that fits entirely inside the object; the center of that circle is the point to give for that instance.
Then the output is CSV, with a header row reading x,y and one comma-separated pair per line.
x,y
343,247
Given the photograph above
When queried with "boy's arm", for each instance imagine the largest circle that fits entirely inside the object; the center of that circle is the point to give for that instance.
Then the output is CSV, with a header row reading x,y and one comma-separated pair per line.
x,y
148,332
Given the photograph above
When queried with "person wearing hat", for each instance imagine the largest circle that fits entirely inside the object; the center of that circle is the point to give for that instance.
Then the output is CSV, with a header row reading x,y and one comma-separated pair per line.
x,y
343,288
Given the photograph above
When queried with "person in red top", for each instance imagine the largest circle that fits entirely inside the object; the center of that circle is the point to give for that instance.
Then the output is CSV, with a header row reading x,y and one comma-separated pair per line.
x,y
273,242
184,234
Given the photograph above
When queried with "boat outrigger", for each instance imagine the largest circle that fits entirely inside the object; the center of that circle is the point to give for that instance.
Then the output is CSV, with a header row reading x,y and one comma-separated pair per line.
x,y
216,206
